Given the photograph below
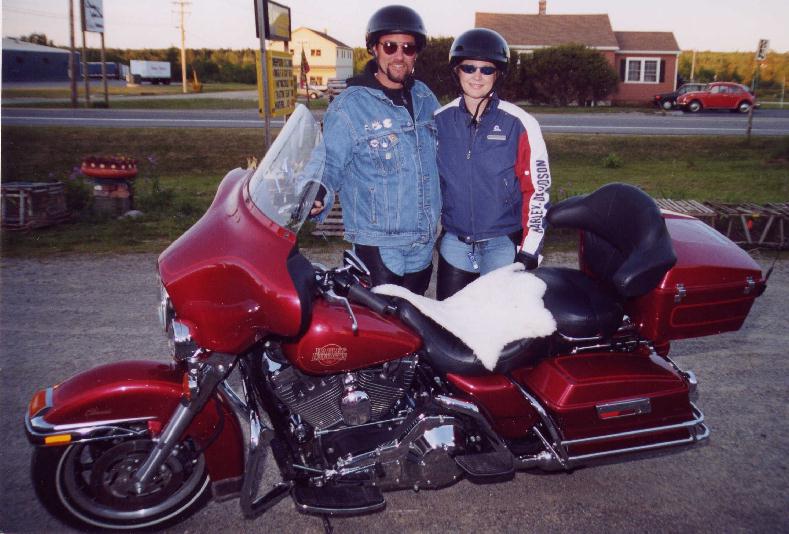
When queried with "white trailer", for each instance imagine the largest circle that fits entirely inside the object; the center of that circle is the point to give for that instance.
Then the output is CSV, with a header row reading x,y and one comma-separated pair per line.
x,y
150,71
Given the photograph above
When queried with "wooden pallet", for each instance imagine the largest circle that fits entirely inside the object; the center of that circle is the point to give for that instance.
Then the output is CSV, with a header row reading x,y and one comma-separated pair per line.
x,y
694,208
332,224
29,205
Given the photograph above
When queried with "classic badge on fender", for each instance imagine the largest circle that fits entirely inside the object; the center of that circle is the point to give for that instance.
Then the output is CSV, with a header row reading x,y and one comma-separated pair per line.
x,y
330,354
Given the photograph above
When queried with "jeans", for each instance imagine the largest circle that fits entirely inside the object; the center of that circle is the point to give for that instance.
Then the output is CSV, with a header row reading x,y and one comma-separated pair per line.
x,y
481,257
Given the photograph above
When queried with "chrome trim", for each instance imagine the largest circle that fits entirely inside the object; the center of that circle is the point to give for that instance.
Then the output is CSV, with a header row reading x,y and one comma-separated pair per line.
x,y
38,429
557,447
238,405
681,293
698,419
631,406
39,426
373,423
750,285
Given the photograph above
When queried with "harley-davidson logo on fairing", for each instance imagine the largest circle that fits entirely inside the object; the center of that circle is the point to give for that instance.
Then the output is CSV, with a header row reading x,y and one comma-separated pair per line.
x,y
330,354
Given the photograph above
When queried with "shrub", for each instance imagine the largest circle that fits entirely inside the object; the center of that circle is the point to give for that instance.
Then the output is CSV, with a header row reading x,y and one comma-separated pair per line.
x,y
612,161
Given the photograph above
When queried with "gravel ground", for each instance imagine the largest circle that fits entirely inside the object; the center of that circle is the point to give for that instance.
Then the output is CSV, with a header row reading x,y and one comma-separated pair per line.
x,y
64,315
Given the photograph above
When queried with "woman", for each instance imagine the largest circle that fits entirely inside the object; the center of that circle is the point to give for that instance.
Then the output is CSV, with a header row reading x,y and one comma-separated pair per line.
x,y
493,166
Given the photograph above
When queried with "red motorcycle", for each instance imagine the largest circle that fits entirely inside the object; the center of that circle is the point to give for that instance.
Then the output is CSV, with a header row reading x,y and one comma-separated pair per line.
x,y
356,393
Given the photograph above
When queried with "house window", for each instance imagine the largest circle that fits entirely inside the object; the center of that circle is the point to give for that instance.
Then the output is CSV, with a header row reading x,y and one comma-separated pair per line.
x,y
315,52
316,80
643,70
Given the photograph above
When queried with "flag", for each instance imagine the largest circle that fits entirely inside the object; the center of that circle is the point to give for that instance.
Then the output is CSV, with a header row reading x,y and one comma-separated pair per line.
x,y
305,68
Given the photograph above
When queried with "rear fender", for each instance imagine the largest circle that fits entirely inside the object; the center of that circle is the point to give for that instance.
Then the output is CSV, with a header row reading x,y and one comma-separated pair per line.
x,y
119,397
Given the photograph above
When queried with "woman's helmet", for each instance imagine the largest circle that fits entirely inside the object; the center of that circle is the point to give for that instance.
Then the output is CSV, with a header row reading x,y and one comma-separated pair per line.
x,y
482,44
395,19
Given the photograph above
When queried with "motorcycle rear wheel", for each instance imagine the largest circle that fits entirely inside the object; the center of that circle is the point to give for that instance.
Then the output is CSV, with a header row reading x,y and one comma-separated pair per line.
x,y
85,485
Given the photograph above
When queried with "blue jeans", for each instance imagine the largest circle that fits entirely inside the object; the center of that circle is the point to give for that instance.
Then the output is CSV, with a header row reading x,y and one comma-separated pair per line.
x,y
408,258
481,257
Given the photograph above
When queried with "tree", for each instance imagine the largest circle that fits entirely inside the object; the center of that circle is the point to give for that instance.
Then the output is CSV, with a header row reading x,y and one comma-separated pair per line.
x,y
564,74
432,67
360,58
37,38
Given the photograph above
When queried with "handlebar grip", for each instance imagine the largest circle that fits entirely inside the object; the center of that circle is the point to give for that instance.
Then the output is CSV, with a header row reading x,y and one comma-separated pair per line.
x,y
360,295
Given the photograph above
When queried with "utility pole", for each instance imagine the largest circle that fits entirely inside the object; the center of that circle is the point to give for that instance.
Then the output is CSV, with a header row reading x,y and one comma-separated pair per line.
x,y
264,62
72,64
693,65
85,55
182,4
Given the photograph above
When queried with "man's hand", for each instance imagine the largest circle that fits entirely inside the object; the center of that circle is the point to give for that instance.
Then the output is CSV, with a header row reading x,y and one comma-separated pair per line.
x,y
528,261
317,208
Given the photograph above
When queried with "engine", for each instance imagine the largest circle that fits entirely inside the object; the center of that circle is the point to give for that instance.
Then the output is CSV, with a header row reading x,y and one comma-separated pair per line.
x,y
351,399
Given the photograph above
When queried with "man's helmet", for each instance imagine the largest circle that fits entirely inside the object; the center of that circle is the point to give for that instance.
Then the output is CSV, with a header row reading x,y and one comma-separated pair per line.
x,y
482,44
395,19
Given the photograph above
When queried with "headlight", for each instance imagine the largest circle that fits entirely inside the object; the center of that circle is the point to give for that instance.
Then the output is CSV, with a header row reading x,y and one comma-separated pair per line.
x,y
178,336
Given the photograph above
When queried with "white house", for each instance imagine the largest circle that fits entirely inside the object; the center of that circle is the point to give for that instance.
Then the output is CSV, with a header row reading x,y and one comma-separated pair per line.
x,y
326,56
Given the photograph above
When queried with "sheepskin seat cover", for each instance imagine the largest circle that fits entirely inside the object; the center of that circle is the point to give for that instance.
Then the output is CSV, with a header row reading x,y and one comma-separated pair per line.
x,y
501,307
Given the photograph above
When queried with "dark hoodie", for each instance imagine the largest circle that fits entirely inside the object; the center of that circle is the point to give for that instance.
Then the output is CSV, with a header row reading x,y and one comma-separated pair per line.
x,y
399,97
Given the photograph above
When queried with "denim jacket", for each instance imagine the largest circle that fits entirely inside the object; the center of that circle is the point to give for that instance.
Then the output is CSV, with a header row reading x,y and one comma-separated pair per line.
x,y
383,165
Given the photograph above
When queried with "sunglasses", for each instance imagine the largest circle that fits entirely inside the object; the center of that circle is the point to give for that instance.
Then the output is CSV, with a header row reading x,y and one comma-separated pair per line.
x,y
471,69
390,48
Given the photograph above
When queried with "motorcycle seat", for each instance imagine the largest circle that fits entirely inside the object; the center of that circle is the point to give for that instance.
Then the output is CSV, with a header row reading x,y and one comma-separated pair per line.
x,y
448,354
582,307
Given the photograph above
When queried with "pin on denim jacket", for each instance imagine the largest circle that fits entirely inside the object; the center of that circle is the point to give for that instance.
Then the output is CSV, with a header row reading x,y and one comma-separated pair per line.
x,y
383,165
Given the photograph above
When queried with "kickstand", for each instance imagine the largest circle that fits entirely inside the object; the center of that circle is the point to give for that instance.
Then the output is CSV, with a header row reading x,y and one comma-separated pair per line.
x,y
327,528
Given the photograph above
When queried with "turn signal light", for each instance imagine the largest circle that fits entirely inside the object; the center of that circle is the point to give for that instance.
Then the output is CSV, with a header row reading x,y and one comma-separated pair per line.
x,y
37,403
58,439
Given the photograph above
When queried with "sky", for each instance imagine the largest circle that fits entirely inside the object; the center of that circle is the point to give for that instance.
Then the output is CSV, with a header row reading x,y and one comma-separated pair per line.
x,y
718,25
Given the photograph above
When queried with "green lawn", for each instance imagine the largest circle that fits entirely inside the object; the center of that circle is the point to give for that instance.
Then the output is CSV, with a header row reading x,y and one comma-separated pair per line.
x,y
189,163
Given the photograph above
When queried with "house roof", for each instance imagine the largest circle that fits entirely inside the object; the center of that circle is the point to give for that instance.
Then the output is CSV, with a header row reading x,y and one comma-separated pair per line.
x,y
647,41
325,36
521,30
12,43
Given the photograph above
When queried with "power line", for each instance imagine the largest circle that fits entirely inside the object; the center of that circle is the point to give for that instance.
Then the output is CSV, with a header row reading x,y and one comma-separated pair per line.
x,y
24,11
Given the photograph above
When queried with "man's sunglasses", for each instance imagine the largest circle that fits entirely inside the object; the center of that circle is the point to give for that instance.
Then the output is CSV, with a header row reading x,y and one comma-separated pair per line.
x,y
471,69
390,48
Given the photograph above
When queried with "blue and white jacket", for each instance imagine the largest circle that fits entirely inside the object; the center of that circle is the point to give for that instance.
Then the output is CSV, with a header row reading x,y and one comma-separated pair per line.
x,y
495,177
382,162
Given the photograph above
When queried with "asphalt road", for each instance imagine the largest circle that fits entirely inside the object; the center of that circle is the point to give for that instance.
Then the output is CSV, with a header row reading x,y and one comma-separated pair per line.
x,y
62,315
765,122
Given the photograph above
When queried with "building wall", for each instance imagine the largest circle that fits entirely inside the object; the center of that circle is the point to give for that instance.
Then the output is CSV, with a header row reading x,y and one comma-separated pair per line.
x,y
28,66
325,58
644,92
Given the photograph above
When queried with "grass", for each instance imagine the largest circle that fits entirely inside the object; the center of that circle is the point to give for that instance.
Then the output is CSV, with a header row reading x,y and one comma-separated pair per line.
x,y
169,103
189,164
63,91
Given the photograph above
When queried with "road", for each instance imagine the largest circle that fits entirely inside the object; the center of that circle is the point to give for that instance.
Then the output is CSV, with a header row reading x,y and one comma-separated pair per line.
x,y
66,314
765,122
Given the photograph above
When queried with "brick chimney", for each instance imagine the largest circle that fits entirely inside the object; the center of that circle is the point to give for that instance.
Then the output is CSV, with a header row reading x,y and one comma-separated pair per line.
x,y
542,6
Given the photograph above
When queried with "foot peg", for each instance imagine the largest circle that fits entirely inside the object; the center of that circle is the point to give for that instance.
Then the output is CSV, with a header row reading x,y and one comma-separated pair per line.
x,y
338,500
485,468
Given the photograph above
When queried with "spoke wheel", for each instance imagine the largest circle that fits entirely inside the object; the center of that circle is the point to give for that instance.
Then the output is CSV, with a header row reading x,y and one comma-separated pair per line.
x,y
90,484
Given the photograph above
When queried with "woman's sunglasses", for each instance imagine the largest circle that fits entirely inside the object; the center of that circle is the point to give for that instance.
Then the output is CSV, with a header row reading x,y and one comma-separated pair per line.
x,y
390,48
471,69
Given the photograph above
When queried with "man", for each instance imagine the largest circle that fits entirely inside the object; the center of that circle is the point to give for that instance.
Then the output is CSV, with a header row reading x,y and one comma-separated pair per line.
x,y
379,154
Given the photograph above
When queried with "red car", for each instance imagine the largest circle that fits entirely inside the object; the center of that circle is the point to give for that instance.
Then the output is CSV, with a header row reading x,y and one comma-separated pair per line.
x,y
718,95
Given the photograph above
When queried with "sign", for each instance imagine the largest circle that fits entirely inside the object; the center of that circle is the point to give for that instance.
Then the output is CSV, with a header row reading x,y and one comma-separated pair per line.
x,y
276,21
761,52
281,83
92,16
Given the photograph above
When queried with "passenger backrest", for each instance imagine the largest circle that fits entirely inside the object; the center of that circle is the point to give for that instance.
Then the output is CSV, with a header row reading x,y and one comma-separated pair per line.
x,y
625,241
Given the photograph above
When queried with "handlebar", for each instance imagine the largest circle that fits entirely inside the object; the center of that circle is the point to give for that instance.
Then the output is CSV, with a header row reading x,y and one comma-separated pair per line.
x,y
361,295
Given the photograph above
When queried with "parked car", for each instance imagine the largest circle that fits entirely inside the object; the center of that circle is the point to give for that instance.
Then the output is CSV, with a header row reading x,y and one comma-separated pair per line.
x,y
667,101
718,95
335,86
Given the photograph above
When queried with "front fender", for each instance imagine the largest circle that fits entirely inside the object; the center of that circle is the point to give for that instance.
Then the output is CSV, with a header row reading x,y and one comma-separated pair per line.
x,y
118,395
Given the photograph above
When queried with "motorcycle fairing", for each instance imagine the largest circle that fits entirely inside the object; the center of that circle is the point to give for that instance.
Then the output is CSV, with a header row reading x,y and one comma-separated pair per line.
x,y
228,276
112,397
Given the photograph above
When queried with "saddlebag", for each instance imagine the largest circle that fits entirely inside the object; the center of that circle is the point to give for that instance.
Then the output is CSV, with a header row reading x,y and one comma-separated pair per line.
x,y
605,403
710,289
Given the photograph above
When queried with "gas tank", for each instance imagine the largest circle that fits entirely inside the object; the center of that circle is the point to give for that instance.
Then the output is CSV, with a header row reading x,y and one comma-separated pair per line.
x,y
330,346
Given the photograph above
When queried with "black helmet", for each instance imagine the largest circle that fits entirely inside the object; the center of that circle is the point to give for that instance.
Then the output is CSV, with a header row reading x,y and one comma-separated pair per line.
x,y
395,19
482,44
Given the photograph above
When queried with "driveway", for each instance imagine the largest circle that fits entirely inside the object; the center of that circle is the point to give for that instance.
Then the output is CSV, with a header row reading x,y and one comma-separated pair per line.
x,y
66,314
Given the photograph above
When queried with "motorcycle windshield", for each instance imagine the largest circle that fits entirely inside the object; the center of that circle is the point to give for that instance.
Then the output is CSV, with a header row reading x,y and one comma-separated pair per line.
x,y
286,182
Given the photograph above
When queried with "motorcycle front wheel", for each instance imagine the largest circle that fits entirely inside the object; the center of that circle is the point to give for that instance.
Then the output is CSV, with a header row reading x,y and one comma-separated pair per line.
x,y
87,484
